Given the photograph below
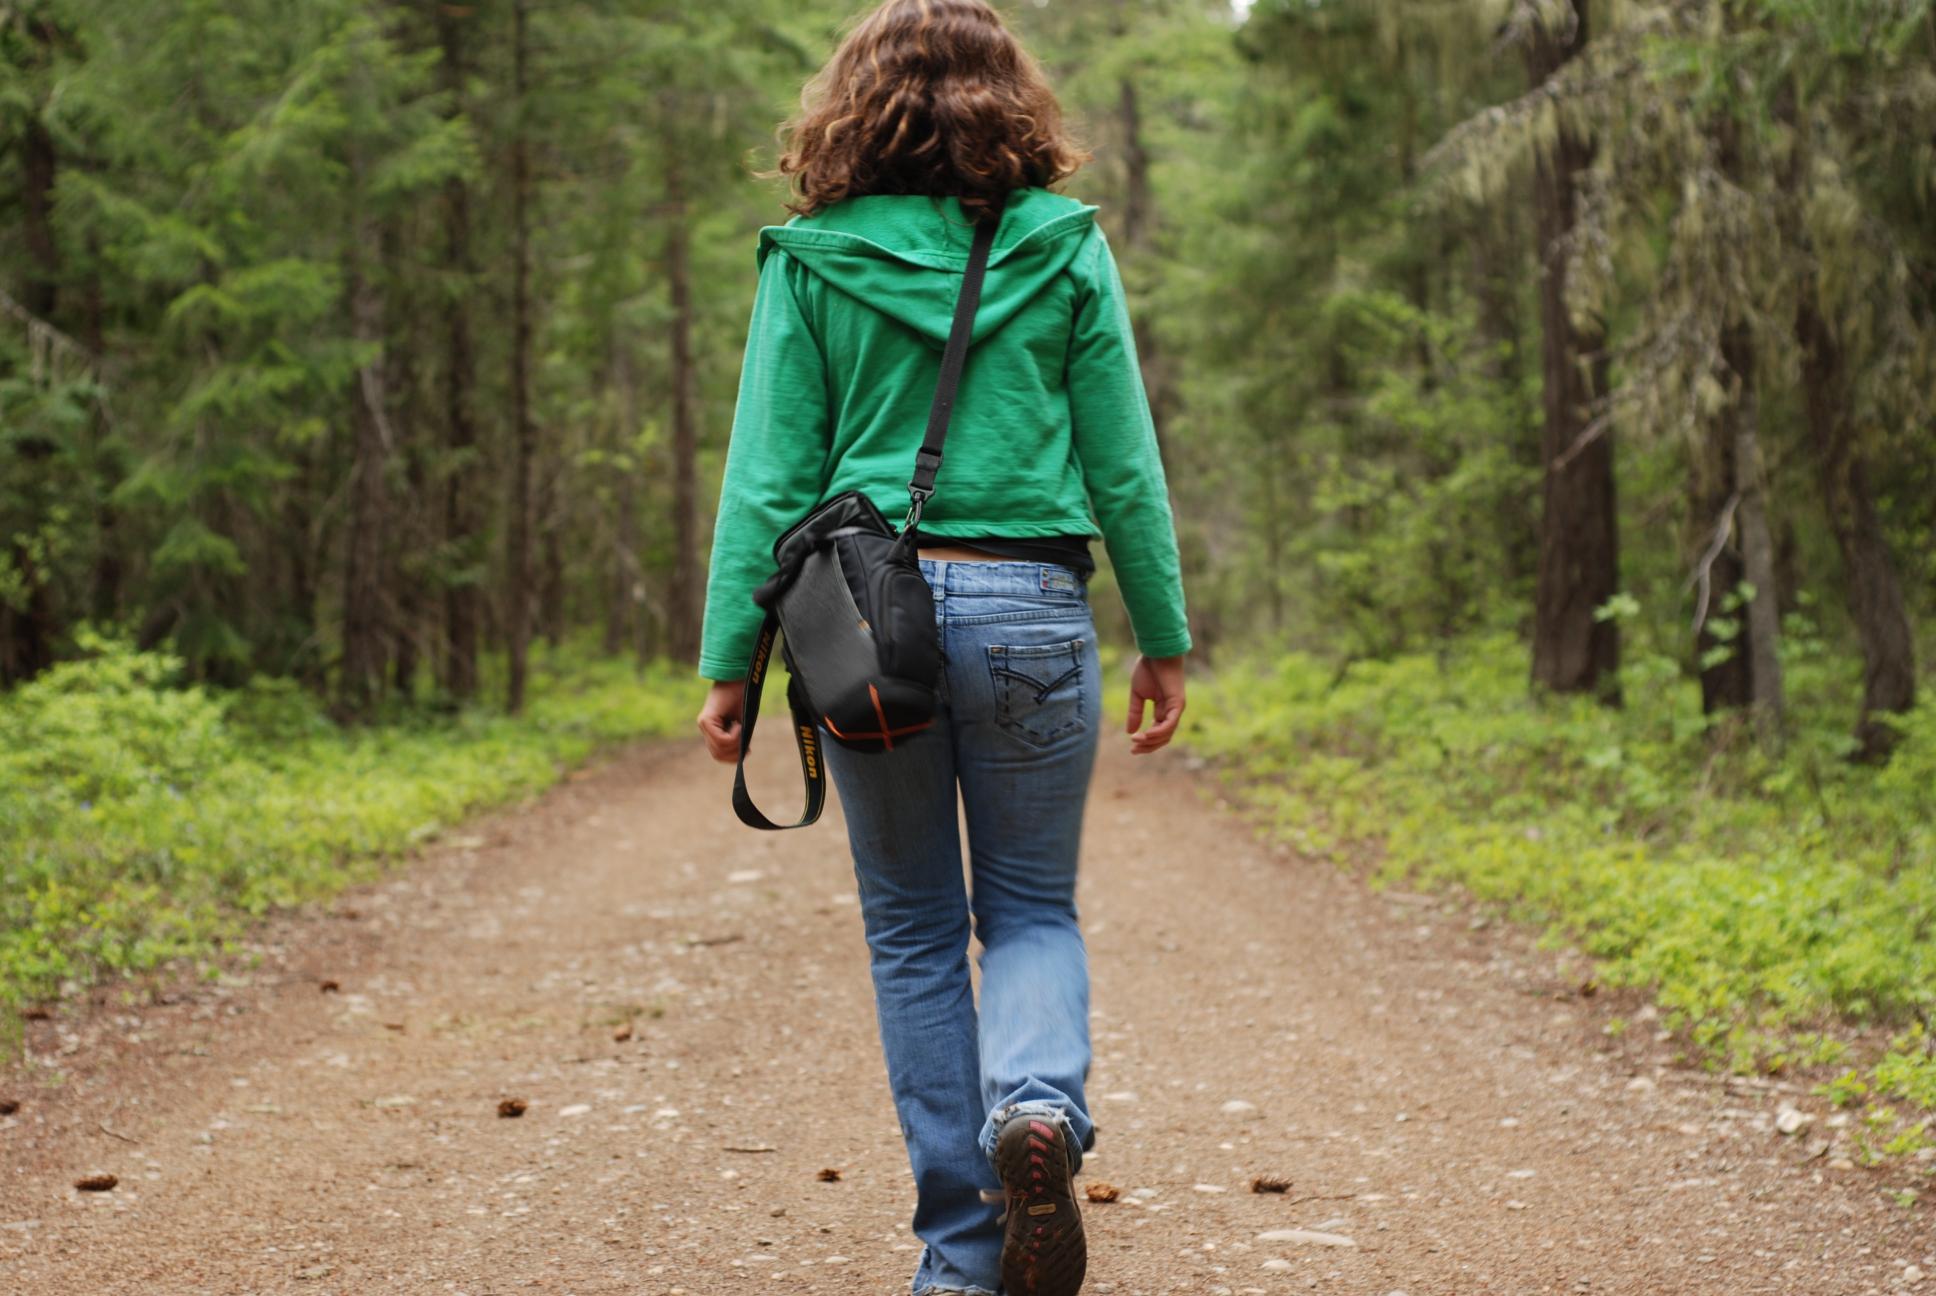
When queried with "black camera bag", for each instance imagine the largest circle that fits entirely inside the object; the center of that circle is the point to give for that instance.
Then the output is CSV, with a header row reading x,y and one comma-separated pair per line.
x,y
854,615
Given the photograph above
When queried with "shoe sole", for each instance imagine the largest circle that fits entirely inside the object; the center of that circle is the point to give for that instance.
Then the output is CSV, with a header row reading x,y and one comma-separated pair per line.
x,y
1043,1250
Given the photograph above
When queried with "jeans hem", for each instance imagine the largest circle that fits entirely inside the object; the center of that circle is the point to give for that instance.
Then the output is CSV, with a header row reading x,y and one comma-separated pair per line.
x,y
954,1291
1041,1110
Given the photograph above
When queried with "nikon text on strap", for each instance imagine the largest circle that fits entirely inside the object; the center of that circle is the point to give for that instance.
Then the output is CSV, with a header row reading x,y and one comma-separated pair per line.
x,y
812,770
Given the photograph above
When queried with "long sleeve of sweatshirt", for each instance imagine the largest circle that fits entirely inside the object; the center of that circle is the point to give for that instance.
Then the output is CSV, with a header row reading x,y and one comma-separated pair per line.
x,y
1115,440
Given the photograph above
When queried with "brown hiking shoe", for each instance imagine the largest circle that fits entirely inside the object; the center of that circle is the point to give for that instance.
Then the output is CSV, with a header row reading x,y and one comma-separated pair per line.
x,y
1043,1250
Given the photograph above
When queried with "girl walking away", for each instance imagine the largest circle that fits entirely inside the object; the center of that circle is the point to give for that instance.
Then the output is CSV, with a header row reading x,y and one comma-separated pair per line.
x,y
929,121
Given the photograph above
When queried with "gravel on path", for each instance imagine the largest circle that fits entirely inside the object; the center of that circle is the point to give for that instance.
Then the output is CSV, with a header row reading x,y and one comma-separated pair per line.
x,y
682,1008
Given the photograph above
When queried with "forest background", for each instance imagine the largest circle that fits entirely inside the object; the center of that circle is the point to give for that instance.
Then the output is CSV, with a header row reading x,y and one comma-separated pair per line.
x,y
1545,388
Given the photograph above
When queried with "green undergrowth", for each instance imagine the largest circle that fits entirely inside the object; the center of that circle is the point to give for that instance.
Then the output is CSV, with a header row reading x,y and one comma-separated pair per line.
x,y
142,821
1767,903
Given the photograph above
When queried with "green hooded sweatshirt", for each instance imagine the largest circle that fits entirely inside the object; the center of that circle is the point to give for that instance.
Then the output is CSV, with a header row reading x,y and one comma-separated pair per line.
x,y
1051,432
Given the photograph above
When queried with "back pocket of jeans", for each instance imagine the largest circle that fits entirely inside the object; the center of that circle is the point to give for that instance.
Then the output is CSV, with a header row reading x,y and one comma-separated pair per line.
x,y
1038,689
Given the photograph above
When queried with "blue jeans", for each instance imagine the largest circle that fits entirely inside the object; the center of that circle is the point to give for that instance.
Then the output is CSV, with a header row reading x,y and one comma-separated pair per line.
x,y
1016,734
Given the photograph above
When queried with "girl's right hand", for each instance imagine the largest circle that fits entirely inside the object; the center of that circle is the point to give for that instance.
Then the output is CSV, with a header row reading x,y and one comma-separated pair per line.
x,y
719,719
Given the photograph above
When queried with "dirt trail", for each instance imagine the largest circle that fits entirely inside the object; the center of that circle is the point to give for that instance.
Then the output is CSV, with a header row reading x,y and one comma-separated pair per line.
x,y
1418,1080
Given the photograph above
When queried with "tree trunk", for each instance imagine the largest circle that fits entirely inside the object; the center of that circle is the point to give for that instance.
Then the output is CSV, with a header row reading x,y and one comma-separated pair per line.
x,y
1735,430
360,682
1763,612
621,620
28,631
626,588
517,612
1417,276
1497,244
1497,270
1139,234
1273,532
1869,568
1139,207
411,529
306,552
682,610
410,626
108,575
1574,651
551,602
461,527
1720,659
40,164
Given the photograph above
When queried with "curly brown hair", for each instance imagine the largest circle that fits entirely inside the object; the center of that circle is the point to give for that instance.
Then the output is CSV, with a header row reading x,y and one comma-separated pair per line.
x,y
927,97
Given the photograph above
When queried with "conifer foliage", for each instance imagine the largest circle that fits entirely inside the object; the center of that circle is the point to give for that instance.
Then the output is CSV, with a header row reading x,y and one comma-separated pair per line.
x,y
332,337
378,346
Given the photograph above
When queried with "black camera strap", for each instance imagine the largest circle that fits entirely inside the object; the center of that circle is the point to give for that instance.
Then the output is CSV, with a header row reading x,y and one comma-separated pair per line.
x,y
812,770
927,462
954,357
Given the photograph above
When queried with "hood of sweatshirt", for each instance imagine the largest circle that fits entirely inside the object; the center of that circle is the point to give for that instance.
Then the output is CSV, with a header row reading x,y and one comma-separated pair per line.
x,y
903,254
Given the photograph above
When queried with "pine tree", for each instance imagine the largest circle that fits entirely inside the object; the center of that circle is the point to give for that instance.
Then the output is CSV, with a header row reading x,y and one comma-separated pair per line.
x,y
1575,649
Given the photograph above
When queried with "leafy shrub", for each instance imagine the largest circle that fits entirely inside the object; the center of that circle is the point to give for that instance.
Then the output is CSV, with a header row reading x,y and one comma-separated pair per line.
x,y
108,725
1759,898
141,822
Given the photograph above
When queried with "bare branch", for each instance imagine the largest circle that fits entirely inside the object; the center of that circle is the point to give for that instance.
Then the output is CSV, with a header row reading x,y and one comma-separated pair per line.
x,y
1588,435
1704,570
41,331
